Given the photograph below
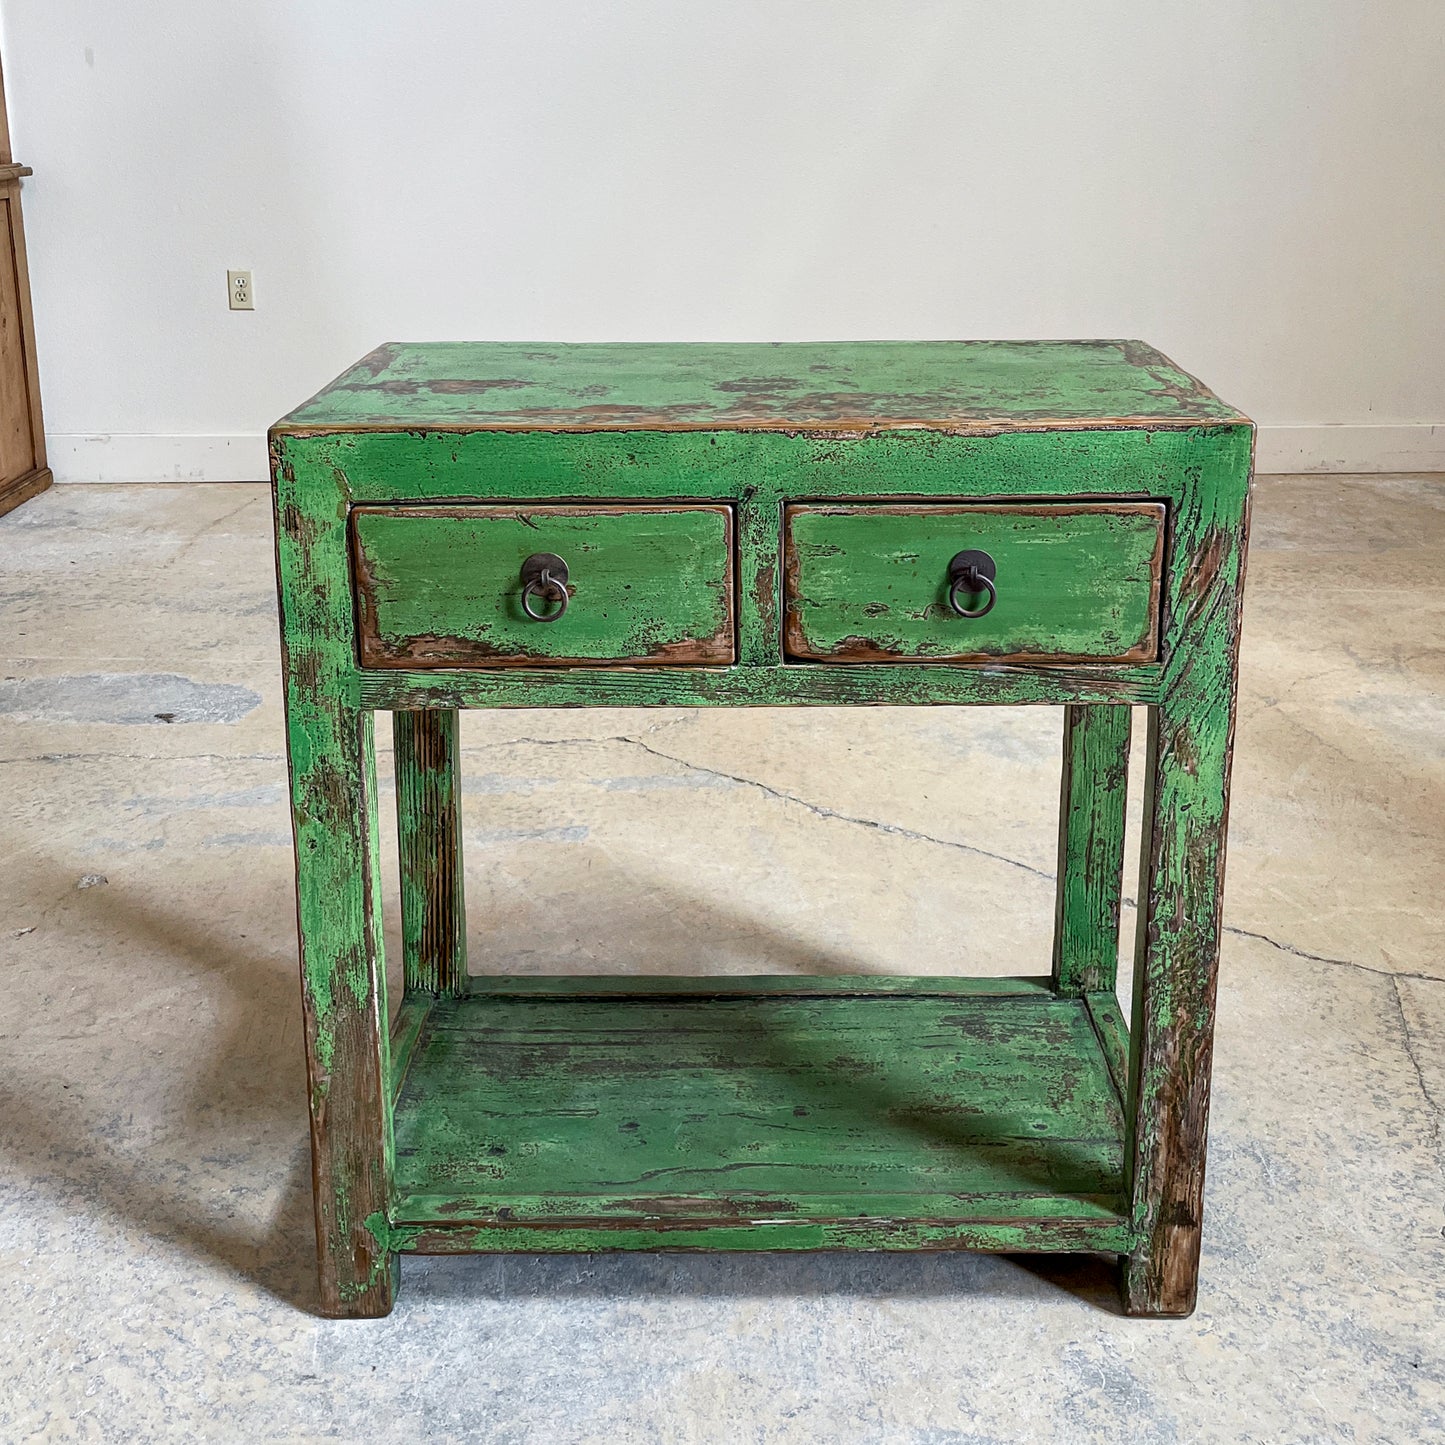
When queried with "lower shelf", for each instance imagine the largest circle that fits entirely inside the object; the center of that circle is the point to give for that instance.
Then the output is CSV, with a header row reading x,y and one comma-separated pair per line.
x,y
595,1114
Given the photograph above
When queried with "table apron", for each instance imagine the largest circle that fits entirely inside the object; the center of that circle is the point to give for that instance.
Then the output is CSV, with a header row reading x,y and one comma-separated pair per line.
x,y
786,685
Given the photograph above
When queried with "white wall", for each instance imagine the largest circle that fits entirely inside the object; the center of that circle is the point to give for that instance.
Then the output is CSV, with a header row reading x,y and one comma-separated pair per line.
x,y
1254,187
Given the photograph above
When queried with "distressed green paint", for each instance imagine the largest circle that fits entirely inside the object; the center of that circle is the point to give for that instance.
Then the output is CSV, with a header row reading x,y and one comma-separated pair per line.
x,y
886,423
405,1032
757,473
443,586
591,1112
1181,889
711,386
1091,848
338,889
1113,1034
1074,582
800,684
1087,1233
749,985
757,468
429,836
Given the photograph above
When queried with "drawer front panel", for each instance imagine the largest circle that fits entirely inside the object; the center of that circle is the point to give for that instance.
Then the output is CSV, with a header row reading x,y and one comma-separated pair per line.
x,y
1074,582
443,586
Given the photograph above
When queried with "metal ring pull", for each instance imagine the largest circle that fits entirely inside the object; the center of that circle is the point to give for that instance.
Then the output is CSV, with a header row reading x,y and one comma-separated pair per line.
x,y
972,572
544,574
544,586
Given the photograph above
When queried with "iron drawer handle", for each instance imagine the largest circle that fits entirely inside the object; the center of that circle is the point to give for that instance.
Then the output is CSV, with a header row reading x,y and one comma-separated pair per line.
x,y
972,572
544,574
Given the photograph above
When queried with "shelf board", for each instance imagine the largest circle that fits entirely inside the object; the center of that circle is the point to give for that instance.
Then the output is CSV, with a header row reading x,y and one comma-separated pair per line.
x,y
599,1113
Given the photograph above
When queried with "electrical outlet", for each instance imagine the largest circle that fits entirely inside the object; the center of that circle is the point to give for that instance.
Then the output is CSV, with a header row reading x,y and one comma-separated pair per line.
x,y
238,284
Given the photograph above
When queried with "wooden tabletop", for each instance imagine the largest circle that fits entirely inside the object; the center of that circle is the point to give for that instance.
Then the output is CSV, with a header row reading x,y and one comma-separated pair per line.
x,y
847,387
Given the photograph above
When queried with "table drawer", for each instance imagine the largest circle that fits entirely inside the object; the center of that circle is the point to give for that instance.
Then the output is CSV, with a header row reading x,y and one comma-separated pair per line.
x,y
443,586
1072,581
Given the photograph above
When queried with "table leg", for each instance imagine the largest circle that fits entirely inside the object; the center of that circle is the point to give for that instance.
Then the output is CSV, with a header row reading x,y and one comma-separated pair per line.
x,y
1091,849
343,984
429,828
1175,975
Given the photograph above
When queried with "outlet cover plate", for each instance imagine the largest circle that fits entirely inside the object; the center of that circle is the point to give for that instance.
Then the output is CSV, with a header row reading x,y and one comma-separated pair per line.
x,y
238,287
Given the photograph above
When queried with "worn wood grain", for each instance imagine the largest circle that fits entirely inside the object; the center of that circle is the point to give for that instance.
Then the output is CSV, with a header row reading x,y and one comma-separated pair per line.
x,y
1076,582
406,1026
1176,964
1093,794
799,684
429,834
338,891
442,586
1113,1034
762,468
586,1113
1091,1229
811,386
747,985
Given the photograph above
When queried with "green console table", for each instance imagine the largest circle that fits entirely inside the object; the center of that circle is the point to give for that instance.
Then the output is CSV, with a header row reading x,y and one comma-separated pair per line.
x,y
1057,523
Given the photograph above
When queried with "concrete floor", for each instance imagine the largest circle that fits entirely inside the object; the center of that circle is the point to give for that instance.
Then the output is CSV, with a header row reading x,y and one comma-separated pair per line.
x,y
155,1237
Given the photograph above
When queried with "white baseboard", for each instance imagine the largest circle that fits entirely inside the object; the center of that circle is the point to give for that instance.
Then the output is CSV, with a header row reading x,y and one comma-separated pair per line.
x,y
139,457
143,457
1416,447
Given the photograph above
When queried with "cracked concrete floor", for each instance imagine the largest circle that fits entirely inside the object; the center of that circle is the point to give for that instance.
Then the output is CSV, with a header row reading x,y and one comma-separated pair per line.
x,y
155,1244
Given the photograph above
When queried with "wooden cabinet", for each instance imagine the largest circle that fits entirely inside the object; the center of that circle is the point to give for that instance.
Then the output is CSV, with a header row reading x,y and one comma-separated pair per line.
x,y
23,470
909,523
